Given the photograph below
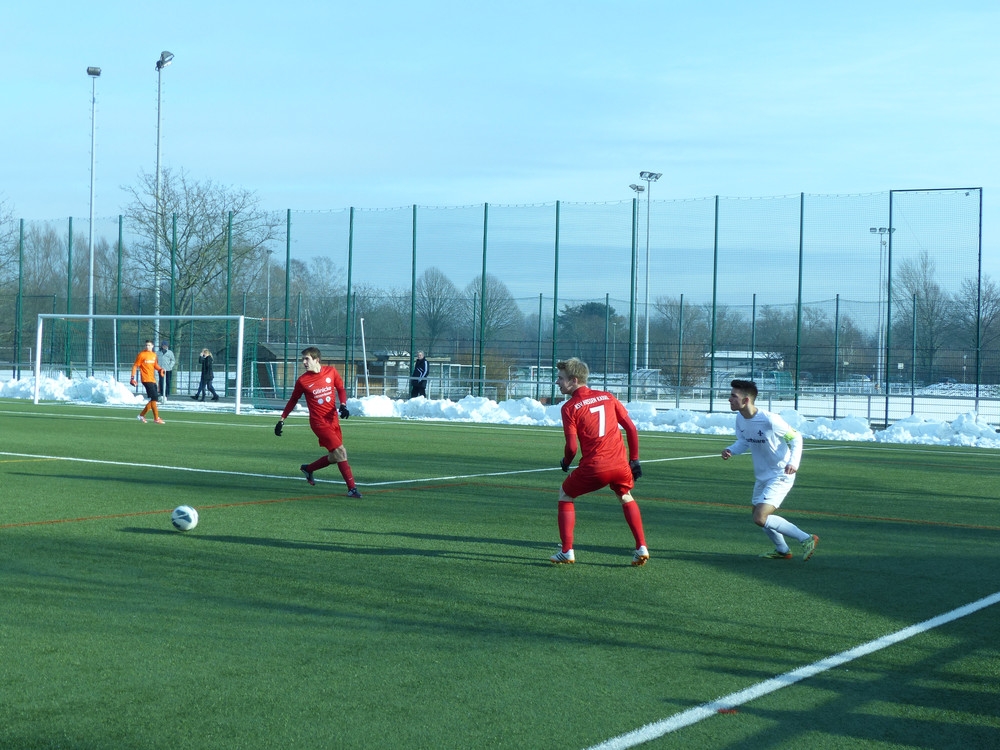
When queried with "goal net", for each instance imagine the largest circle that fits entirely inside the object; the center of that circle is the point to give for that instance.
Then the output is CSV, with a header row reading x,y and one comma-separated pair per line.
x,y
105,346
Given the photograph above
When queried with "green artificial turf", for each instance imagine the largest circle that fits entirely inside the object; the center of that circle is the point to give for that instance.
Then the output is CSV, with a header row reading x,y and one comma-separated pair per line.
x,y
427,615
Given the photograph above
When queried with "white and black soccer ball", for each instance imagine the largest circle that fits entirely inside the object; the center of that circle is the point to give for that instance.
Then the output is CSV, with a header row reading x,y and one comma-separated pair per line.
x,y
184,518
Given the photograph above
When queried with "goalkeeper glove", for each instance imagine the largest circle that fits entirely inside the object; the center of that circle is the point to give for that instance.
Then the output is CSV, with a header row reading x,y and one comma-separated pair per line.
x,y
564,464
636,469
344,411
278,427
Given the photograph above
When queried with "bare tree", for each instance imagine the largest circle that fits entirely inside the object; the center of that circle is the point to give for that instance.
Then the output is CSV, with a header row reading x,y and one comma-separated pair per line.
x,y
986,299
935,318
319,285
387,317
8,242
696,332
437,304
499,309
200,258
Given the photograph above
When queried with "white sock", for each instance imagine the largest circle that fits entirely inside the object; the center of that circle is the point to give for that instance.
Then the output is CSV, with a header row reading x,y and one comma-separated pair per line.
x,y
780,525
778,539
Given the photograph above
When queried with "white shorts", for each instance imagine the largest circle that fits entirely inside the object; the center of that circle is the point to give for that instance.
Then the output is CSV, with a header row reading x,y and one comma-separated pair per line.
x,y
772,491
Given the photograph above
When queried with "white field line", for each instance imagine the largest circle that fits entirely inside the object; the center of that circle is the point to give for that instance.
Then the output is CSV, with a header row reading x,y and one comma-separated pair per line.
x,y
693,715
298,477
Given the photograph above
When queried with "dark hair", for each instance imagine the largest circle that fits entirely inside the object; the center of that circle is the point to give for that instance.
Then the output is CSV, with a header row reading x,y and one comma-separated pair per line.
x,y
312,351
746,387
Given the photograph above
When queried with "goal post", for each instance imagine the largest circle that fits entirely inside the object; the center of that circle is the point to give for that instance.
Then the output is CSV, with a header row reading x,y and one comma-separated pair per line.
x,y
105,346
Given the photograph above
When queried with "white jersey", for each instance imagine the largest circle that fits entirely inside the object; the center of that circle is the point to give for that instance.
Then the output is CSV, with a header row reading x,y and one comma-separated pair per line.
x,y
770,440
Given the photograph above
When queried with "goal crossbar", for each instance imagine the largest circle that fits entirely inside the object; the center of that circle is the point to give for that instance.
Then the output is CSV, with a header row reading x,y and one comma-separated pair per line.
x,y
239,319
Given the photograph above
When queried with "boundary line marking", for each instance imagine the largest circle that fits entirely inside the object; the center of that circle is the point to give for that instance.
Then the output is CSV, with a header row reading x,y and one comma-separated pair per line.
x,y
691,716
418,480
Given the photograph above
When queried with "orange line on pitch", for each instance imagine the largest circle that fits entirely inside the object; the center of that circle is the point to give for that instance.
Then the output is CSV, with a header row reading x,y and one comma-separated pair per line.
x,y
152,512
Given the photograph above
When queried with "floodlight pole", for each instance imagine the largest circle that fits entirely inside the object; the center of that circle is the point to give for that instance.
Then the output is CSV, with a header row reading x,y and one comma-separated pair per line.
x,y
883,240
94,73
650,178
639,190
165,59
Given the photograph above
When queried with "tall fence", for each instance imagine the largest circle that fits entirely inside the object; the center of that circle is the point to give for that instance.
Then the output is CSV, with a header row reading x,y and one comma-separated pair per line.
x,y
875,296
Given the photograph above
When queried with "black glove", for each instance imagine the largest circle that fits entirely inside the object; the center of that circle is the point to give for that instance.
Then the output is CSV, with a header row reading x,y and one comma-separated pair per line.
x,y
277,427
564,464
344,411
636,469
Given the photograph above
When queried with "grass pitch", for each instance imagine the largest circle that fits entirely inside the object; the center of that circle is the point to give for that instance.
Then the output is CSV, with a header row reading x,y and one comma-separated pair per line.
x,y
426,615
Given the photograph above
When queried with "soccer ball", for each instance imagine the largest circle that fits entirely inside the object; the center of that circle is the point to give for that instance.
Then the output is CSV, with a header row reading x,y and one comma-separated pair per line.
x,y
184,517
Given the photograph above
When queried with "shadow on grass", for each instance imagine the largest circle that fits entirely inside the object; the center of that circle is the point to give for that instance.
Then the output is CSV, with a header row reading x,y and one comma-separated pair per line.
x,y
468,552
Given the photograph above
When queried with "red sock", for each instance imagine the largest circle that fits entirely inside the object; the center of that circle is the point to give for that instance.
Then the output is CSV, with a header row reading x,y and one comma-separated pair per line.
x,y
634,520
567,520
345,472
319,463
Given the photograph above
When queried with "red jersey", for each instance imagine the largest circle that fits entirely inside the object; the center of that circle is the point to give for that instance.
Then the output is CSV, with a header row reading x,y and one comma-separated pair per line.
x,y
318,388
594,417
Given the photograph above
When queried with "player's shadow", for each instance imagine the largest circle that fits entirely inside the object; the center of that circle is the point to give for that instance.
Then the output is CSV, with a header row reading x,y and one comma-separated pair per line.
x,y
465,553
443,538
544,549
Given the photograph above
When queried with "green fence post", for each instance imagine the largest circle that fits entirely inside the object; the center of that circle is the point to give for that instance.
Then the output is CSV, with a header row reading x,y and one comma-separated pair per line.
x,y
348,327
481,377
288,300
538,355
69,297
121,255
249,386
413,290
680,349
633,334
888,313
715,302
555,308
836,353
19,307
798,306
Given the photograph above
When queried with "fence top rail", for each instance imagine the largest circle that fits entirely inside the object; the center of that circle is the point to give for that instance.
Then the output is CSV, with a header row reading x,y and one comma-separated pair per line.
x,y
83,316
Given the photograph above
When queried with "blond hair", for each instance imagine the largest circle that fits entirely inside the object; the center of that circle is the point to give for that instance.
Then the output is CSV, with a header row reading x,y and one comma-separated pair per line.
x,y
575,368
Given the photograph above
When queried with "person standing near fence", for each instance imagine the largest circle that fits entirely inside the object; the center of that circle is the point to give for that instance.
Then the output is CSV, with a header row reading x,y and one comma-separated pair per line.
x,y
167,361
776,450
207,376
318,384
592,418
418,382
147,366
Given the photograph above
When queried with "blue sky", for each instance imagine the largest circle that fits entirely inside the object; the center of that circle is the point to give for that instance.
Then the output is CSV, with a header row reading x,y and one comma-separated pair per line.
x,y
324,105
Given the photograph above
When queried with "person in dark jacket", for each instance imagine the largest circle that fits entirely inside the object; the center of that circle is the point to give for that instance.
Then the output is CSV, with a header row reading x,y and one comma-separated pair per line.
x,y
418,383
206,377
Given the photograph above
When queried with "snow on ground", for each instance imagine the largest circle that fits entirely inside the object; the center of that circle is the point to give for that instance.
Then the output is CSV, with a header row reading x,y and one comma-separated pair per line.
x,y
965,430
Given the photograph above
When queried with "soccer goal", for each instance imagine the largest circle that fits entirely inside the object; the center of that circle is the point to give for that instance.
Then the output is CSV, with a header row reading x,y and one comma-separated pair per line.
x,y
105,346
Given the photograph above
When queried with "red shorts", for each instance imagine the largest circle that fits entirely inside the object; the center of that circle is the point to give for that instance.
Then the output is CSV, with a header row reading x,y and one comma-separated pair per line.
x,y
328,432
584,479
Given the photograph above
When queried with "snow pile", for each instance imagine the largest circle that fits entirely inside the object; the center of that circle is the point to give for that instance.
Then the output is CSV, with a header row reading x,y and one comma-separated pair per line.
x,y
966,430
